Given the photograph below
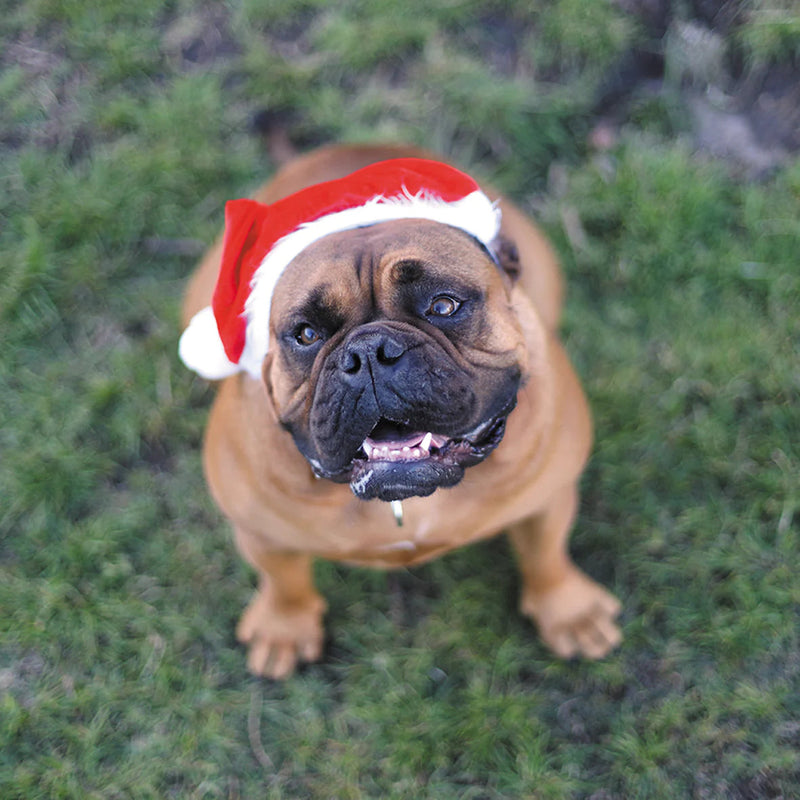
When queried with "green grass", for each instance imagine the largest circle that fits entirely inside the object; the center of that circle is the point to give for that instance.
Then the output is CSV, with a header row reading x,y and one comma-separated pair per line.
x,y
124,129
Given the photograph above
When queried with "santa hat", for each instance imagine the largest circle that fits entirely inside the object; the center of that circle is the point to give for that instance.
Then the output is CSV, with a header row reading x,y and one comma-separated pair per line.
x,y
232,334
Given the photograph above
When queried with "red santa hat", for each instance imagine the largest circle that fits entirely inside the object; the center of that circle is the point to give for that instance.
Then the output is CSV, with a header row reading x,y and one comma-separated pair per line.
x,y
232,334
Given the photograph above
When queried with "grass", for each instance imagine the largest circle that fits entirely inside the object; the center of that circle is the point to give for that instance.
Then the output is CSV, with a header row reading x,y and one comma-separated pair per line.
x,y
124,129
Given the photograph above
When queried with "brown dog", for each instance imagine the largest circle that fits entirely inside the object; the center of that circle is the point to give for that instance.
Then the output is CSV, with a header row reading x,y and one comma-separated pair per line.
x,y
402,334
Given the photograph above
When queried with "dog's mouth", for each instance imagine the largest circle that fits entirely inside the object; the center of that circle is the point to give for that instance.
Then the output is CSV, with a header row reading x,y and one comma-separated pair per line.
x,y
396,442
397,461
390,441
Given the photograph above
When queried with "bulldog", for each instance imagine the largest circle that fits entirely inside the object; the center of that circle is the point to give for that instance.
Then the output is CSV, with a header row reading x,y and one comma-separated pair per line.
x,y
391,387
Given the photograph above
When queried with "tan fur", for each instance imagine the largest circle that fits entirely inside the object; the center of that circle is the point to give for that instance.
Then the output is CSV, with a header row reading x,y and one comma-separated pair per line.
x,y
283,516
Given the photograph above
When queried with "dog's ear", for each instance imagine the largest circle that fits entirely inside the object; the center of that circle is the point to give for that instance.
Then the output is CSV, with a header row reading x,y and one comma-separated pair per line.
x,y
505,253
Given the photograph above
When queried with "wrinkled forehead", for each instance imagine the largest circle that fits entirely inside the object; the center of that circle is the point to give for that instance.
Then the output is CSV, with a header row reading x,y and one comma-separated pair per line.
x,y
380,256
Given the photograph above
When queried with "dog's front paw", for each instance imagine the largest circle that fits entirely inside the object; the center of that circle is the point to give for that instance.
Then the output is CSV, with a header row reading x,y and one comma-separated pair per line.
x,y
278,638
576,617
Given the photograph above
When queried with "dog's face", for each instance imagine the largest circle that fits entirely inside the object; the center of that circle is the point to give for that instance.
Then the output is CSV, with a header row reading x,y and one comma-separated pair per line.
x,y
395,356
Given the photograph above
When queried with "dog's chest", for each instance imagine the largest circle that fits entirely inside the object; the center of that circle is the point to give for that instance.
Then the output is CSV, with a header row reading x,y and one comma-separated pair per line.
x,y
425,533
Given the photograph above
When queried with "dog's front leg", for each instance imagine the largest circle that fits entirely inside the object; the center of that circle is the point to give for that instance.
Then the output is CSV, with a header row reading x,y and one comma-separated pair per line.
x,y
575,615
283,622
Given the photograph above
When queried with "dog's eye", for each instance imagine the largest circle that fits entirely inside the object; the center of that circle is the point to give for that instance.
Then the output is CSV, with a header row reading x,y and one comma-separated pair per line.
x,y
306,336
443,306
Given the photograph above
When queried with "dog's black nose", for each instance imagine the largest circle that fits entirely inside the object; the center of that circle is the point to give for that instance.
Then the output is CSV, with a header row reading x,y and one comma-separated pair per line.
x,y
378,347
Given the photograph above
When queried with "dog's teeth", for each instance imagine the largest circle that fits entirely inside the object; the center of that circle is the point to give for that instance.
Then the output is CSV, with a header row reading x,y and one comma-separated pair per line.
x,y
385,452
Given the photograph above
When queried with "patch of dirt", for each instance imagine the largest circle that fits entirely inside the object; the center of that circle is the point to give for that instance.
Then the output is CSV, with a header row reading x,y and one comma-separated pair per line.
x,y
749,118
44,75
199,38
20,678
762,786
499,45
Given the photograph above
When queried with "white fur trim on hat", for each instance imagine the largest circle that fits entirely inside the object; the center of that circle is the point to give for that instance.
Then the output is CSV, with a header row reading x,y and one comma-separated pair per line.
x,y
200,348
475,214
